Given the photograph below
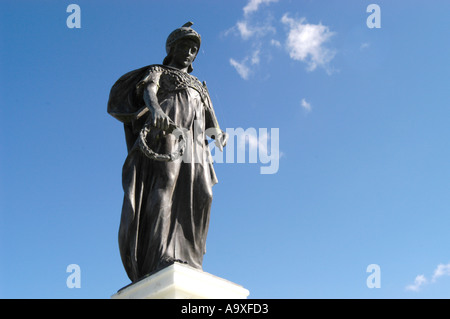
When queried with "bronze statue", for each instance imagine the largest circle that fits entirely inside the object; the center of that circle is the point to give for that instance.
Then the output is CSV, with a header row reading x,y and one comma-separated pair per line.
x,y
168,174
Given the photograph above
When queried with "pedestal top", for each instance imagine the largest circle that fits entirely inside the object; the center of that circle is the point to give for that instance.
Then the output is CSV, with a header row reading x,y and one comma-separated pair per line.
x,y
179,281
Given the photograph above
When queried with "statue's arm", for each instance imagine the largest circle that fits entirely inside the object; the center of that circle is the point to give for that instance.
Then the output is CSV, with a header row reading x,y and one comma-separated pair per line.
x,y
212,125
158,118
213,130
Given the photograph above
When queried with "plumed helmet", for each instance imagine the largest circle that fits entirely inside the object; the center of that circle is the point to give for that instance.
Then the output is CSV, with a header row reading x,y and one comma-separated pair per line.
x,y
184,32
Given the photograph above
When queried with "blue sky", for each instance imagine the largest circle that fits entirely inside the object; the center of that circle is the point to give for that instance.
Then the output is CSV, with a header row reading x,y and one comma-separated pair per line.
x,y
364,143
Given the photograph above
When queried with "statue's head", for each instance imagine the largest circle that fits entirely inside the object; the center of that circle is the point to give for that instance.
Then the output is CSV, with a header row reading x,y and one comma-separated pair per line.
x,y
181,40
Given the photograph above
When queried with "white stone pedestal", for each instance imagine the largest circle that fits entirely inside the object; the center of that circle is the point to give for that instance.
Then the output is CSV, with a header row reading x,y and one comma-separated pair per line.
x,y
179,281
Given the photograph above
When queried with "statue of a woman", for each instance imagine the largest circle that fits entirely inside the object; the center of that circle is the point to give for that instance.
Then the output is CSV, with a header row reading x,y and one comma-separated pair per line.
x,y
166,207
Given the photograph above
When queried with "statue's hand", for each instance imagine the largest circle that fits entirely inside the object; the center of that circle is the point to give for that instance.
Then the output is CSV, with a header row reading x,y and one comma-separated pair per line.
x,y
221,140
161,120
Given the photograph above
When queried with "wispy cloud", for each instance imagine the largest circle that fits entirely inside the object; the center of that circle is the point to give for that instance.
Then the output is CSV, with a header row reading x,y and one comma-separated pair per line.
x,y
420,280
242,69
364,45
253,5
306,105
441,270
252,28
255,57
275,43
306,42
248,30
244,30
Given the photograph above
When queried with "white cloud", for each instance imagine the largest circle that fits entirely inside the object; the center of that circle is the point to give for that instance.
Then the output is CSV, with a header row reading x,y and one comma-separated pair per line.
x,y
255,29
241,68
305,42
244,30
305,105
364,45
420,280
255,57
275,43
441,270
247,30
253,5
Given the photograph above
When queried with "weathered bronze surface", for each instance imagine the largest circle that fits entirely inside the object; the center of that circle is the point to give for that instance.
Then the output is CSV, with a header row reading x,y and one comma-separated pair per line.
x,y
168,174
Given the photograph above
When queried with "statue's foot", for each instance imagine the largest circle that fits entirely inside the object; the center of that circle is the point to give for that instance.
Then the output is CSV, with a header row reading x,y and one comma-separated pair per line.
x,y
167,261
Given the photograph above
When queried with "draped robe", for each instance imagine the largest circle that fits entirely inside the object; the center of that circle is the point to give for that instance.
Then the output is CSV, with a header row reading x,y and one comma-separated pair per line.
x,y
166,205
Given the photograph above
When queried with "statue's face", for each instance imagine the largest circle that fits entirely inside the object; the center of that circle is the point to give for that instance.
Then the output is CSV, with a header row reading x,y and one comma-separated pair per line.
x,y
184,53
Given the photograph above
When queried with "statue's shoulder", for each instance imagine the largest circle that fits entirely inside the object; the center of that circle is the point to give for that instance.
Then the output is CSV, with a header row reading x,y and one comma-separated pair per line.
x,y
172,76
122,97
164,69
157,68
141,71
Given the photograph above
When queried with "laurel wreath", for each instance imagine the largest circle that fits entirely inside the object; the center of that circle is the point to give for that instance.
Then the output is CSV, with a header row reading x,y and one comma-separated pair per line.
x,y
162,157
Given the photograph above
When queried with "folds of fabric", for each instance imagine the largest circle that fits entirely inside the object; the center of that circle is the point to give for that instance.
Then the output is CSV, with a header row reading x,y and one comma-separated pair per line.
x,y
166,206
